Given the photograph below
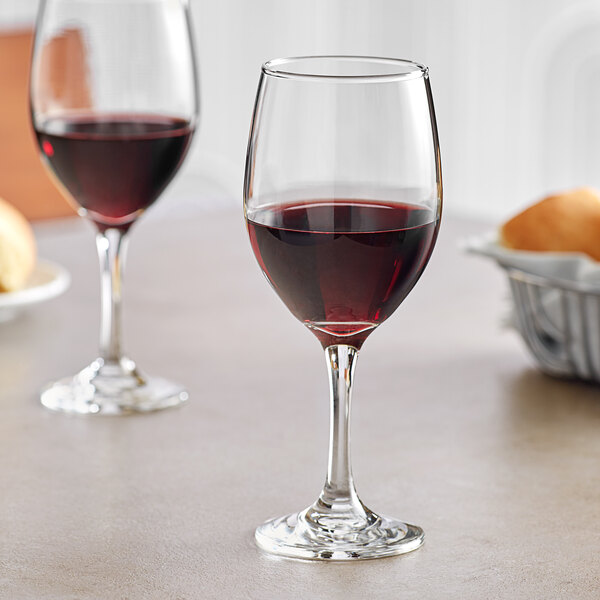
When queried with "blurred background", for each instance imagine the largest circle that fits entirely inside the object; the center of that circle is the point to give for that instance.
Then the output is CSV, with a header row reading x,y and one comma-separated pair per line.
x,y
516,86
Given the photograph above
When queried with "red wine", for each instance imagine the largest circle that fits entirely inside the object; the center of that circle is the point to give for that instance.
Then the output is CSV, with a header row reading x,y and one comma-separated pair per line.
x,y
342,267
114,166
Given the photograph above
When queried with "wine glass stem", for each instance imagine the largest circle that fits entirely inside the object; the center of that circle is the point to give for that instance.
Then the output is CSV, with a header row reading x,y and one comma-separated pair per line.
x,y
338,494
111,245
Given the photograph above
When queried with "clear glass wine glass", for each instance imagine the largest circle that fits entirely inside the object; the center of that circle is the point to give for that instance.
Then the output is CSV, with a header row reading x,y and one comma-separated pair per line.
x,y
343,197
114,105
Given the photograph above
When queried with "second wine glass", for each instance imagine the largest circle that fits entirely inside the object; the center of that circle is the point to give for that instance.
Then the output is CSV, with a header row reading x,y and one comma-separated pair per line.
x,y
114,105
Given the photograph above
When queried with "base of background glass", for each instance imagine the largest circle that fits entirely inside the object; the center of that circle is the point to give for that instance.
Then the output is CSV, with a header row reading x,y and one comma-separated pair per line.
x,y
111,389
295,536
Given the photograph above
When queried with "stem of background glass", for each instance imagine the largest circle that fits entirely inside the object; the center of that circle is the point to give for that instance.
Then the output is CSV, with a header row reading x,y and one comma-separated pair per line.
x,y
339,496
111,245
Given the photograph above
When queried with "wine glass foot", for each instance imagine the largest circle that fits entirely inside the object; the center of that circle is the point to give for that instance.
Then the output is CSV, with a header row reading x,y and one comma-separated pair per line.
x,y
299,536
111,388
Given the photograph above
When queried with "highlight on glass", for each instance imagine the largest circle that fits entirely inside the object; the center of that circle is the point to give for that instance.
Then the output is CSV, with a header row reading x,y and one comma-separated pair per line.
x,y
114,106
342,199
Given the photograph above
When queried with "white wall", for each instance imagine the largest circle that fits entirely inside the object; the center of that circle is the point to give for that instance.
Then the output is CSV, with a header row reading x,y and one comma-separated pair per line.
x,y
516,85
16,13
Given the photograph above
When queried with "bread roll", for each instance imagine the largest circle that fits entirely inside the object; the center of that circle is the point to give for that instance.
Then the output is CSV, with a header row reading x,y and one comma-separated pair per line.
x,y
17,248
568,222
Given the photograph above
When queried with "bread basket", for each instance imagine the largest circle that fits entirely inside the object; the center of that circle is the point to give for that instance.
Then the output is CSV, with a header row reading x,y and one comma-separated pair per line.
x,y
556,299
559,321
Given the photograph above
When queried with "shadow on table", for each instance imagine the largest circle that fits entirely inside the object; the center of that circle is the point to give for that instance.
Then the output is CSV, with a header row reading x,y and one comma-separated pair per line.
x,y
536,399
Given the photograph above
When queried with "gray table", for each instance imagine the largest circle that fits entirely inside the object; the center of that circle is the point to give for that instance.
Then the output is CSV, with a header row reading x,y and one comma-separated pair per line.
x,y
453,429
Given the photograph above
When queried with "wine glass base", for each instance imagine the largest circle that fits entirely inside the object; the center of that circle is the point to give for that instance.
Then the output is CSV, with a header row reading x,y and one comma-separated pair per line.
x,y
294,536
111,389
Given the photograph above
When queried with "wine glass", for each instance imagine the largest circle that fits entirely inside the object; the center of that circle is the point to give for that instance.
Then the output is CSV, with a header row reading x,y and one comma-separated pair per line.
x,y
114,105
343,199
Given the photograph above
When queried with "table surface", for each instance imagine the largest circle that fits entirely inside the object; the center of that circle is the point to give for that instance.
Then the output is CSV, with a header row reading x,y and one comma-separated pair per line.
x,y
453,429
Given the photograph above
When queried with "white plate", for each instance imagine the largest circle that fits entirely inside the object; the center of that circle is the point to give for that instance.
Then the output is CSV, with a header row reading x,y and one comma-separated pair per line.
x,y
47,281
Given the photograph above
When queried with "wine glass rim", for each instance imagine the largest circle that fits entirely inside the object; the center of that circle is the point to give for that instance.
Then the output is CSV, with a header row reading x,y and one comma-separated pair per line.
x,y
406,69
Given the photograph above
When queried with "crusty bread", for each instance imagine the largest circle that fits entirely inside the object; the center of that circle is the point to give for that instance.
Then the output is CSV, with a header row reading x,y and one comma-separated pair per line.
x,y
17,248
568,222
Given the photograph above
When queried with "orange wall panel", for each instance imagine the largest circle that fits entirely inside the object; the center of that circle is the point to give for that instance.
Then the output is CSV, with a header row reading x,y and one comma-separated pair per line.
x,y
24,181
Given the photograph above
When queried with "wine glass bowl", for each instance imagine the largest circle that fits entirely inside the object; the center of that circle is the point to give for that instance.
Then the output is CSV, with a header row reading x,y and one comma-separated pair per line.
x,y
114,105
342,201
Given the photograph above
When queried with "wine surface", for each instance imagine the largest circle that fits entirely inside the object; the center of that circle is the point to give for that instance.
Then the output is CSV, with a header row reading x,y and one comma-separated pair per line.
x,y
114,166
343,266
